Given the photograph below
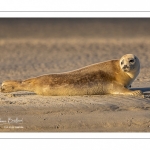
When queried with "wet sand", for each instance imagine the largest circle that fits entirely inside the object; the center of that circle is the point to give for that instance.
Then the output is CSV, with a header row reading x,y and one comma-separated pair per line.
x,y
33,47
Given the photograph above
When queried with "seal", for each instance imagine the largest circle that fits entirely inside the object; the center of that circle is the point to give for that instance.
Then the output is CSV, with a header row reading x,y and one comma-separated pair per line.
x,y
109,77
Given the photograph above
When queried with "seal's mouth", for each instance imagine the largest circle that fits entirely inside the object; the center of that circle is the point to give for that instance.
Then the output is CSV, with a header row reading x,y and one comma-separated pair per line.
x,y
126,68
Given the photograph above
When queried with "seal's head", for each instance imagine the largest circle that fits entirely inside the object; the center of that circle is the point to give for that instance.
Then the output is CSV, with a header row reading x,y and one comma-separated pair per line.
x,y
130,64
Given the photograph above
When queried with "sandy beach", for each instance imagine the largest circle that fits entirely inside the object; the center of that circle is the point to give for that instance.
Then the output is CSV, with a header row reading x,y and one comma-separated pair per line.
x,y
33,47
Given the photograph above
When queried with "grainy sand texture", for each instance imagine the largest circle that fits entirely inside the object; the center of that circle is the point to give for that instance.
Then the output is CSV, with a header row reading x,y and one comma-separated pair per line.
x,y
33,47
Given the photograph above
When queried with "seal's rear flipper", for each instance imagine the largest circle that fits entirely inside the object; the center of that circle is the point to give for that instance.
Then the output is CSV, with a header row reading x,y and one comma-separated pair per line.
x,y
10,86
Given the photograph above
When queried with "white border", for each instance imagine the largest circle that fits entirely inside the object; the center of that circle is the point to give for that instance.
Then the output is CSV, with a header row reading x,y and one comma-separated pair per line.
x,y
78,144
74,5
74,14
76,135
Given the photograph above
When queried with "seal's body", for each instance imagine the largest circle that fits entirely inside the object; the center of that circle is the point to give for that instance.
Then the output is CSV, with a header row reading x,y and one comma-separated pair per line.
x,y
110,77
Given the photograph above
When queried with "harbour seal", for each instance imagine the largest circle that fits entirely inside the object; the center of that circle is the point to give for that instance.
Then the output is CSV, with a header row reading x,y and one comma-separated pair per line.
x,y
109,77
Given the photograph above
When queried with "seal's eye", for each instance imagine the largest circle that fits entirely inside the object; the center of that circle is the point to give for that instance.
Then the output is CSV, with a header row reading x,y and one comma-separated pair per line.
x,y
131,61
122,63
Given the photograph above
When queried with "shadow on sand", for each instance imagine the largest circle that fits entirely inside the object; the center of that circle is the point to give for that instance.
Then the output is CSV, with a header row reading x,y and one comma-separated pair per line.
x,y
145,90
22,94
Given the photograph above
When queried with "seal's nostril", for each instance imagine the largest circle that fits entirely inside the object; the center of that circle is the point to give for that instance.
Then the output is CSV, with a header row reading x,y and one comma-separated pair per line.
x,y
125,66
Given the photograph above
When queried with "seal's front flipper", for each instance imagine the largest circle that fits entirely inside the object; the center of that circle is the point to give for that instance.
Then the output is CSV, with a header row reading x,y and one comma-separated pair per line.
x,y
119,89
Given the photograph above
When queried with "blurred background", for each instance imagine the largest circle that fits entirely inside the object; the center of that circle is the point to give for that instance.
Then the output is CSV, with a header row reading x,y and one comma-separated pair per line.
x,y
32,47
